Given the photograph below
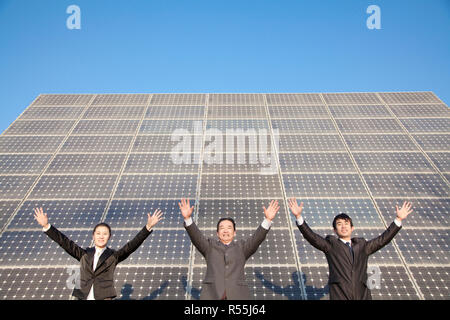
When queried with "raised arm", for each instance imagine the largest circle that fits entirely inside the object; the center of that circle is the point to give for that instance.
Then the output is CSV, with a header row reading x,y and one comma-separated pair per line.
x,y
132,246
197,238
252,243
313,238
68,245
379,242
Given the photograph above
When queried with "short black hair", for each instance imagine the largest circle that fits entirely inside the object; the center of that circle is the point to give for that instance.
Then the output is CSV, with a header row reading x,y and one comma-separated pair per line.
x,y
229,219
103,224
342,216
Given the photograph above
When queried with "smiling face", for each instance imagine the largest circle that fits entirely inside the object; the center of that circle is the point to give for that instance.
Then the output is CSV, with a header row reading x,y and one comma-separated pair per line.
x,y
101,236
226,231
344,229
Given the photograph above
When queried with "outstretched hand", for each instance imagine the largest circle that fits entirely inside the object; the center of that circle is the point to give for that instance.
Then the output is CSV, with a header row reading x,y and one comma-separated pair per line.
x,y
271,210
185,208
295,208
154,219
404,211
41,217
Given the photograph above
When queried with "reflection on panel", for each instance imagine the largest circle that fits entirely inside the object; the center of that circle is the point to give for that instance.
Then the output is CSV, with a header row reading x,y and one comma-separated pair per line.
x,y
61,213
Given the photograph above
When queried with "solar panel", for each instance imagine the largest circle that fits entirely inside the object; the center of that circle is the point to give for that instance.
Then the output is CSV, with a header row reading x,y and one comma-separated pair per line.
x,y
117,157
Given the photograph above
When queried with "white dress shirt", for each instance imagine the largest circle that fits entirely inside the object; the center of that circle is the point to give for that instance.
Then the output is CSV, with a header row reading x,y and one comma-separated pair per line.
x,y
266,224
98,253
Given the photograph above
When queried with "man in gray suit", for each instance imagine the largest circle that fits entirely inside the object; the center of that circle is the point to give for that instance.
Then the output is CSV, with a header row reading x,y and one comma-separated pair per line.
x,y
226,258
347,257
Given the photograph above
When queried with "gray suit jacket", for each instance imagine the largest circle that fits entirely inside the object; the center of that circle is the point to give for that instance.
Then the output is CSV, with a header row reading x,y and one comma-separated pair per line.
x,y
103,277
347,274
225,264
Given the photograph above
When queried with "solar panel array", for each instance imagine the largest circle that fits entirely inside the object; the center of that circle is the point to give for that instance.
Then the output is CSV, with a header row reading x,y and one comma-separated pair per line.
x,y
111,157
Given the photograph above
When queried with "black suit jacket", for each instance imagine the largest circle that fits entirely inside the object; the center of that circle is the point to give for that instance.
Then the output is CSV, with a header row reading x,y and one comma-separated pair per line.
x,y
347,275
103,276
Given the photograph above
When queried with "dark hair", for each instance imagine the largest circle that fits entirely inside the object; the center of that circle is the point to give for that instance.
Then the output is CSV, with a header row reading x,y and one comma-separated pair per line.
x,y
229,219
103,224
342,216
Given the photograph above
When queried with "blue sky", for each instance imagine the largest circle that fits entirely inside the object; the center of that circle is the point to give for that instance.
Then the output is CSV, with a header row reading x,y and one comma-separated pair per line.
x,y
220,46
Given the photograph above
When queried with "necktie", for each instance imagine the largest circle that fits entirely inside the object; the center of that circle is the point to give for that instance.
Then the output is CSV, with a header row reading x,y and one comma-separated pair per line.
x,y
350,249
96,258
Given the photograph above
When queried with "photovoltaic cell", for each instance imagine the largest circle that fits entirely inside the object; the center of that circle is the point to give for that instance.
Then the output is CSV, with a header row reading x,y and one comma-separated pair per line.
x,y
62,213
301,143
97,144
245,212
393,162
59,113
240,186
106,127
408,97
434,282
167,143
433,142
218,99
161,163
427,213
316,162
86,163
23,163
298,112
35,248
406,185
321,212
351,98
115,112
238,112
15,187
121,99
383,142
427,125
6,210
321,185
420,110
178,99
359,111
293,99
368,125
63,99
296,126
244,125
38,127
175,112
73,187
184,127
156,186
29,144
441,160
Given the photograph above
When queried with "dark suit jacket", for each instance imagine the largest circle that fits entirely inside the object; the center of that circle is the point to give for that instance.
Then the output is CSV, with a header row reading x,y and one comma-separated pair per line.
x,y
348,276
225,264
103,276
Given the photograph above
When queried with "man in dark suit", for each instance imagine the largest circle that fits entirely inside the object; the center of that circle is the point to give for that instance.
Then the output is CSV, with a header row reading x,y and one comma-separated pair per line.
x,y
97,264
225,258
347,257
